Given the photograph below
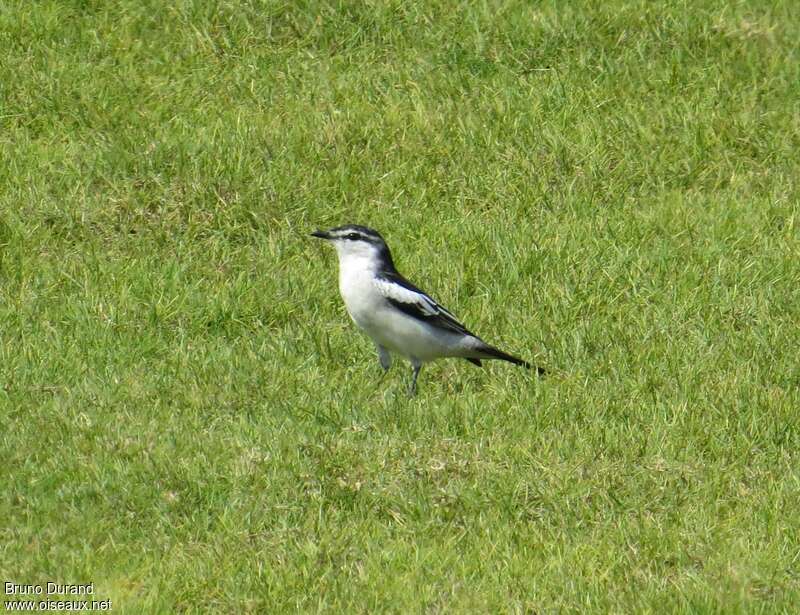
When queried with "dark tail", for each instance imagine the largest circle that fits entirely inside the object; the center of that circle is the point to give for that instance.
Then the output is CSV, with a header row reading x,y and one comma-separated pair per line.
x,y
490,352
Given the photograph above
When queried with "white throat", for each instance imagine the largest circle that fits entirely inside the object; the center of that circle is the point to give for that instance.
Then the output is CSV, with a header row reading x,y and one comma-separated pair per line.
x,y
358,267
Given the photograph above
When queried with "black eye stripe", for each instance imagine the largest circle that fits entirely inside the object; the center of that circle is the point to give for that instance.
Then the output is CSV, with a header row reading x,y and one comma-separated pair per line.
x,y
356,233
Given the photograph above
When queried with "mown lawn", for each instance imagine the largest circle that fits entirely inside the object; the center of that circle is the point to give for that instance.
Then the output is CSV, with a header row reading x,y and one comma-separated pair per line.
x,y
190,420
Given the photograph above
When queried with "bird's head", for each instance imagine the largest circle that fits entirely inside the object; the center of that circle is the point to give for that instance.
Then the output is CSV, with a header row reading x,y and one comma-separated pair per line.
x,y
353,241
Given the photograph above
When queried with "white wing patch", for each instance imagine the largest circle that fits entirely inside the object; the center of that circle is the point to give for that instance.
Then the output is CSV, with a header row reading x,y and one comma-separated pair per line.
x,y
395,292
419,305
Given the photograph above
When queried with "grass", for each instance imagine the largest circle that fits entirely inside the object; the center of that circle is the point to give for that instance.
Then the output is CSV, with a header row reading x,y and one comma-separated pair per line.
x,y
609,189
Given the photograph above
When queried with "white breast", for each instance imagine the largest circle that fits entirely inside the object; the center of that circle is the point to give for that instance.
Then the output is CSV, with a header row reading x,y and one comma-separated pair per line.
x,y
360,298
386,325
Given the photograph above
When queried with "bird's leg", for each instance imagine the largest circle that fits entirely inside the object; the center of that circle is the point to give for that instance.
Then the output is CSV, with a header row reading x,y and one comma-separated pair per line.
x,y
385,359
415,365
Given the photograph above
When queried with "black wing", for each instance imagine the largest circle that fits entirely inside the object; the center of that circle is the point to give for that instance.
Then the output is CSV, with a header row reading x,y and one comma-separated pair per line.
x,y
409,299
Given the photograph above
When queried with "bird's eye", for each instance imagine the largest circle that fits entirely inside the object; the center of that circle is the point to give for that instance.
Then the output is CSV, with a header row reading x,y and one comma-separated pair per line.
x,y
353,236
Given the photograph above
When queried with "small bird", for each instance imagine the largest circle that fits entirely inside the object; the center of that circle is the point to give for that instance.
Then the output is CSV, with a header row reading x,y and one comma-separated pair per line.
x,y
397,315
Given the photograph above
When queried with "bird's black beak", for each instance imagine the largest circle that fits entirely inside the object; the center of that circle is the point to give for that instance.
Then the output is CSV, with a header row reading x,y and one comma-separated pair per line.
x,y
321,234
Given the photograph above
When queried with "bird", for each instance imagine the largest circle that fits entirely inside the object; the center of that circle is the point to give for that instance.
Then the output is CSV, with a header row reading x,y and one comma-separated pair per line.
x,y
399,317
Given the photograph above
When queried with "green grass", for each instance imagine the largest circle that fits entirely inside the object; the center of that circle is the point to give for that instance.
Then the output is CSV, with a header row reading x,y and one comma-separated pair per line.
x,y
609,189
